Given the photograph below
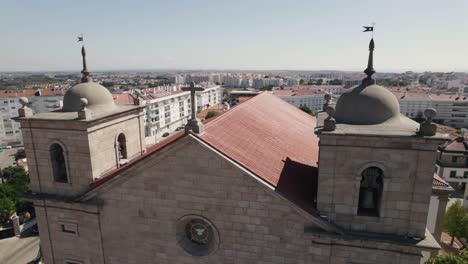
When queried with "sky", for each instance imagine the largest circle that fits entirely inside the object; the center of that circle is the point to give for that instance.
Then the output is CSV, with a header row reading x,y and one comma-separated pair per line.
x,y
418,35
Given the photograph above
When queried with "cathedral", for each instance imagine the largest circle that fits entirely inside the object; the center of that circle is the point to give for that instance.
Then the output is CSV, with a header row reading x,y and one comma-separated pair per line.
x,y
261,183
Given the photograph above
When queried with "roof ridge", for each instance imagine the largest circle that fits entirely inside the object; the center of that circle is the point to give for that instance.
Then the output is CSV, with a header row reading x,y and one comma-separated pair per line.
x,y
235,109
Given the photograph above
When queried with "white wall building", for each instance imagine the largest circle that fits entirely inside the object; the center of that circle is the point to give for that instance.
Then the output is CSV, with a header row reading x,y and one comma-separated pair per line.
x,y
452,164
40,101
169,110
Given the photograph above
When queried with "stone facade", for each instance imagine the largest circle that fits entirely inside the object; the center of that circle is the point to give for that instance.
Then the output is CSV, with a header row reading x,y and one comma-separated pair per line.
x,y
407,181
133,218
90,148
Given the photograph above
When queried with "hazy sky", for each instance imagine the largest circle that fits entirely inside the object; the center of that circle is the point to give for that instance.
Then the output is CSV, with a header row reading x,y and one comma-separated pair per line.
x,y
237,34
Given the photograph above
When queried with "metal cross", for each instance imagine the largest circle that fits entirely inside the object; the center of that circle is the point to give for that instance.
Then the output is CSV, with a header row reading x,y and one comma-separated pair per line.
x,y
192,90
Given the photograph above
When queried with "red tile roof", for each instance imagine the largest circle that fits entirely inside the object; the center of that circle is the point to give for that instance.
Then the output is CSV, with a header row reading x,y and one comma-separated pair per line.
x,y
272,139
122,98
460,144
32,92
268,137
437,181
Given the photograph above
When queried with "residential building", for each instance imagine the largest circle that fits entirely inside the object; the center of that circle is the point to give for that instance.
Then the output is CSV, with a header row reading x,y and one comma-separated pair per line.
x,y
177,79
168,109
308,95
41,101
452,109
452,164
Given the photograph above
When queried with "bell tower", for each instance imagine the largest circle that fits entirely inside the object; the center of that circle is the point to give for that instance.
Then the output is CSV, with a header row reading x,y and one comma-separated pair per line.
x,y
375,165
89,137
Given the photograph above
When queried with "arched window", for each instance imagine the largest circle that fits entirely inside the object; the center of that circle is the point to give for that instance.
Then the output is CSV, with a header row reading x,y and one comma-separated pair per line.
x,y
370,191
57,157
121,147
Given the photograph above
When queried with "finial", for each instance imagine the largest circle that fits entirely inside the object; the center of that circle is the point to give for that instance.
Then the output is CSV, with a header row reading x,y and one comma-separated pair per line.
x,y
429,114
24,101
327,98
329,124
369,71
427,128
24,111
85,71
192,84
83,103
84,113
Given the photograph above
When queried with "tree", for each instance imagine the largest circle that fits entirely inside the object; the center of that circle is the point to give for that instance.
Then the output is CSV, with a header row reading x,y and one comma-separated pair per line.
x,y
211,114
306,109
450,259
15,185
301,82
456,221
335,82
7,207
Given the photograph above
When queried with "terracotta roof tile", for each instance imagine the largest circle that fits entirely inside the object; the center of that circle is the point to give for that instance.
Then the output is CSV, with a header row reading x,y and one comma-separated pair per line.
x,y
122,98
437,181
32,92
459,144
272,139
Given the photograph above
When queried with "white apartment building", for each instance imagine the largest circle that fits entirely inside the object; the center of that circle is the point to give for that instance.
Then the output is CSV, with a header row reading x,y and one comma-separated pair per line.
x,y
452,164
40,101
413,104
177,79
246,83
232,81
310,96
452,110
292,82
208,97
169,109
265,82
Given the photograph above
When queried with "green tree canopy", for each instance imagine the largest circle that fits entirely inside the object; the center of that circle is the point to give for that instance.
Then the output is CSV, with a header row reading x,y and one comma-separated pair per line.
x,y
7,207
456,221
306,109
450,259
211,114
14,185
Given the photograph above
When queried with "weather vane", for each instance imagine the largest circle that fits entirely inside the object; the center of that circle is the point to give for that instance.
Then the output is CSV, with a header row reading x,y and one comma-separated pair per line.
x,y
81,38
369,28
85,71
369,71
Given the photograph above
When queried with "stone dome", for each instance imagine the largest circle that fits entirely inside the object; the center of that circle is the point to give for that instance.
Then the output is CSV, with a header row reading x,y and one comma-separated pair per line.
x,y
99,98
366,105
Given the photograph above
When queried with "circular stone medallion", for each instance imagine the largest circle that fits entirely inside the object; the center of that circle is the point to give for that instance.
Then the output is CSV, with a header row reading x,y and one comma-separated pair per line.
x,y
197,235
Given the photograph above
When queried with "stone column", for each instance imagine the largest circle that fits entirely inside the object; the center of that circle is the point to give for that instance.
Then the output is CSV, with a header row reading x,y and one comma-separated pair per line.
x,y
443,199
16,225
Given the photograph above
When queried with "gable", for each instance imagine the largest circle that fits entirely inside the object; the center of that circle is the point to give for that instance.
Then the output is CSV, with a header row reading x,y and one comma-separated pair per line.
x,y
188,178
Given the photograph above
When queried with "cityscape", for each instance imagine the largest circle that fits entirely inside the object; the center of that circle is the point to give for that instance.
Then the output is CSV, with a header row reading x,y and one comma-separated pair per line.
x,y
204,156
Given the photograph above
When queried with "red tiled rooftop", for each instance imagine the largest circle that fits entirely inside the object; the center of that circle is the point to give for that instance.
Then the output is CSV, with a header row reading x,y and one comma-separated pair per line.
x,y
459,144
437,181
122,98
272,139
32,92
